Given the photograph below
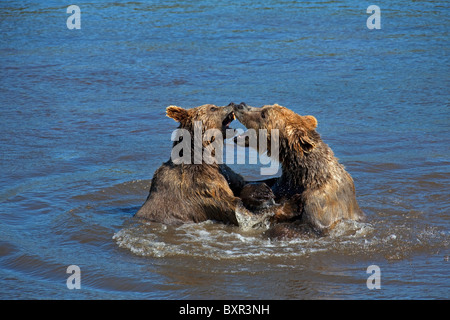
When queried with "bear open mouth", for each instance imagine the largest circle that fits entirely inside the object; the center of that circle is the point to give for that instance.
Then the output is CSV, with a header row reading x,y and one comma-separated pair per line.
x,y
228,119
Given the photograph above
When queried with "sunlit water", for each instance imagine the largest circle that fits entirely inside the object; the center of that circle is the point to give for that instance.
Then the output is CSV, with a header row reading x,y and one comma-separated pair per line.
x,y
83,128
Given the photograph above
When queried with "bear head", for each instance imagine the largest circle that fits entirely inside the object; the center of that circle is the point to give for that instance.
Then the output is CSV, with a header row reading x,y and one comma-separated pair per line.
x,y
210,116
295,131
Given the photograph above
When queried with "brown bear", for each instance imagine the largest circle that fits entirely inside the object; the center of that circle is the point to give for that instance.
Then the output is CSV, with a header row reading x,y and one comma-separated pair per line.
x,y
189,189
194,191
317,189
257,196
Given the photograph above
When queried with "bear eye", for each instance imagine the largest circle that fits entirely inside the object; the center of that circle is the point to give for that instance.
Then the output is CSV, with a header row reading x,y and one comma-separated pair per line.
x,y
213,109
263,114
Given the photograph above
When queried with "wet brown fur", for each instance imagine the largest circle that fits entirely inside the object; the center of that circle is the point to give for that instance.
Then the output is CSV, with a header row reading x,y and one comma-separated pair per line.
x,y
181,193
315,188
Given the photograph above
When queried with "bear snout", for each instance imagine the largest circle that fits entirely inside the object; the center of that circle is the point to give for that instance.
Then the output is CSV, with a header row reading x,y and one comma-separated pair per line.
x,y
241,106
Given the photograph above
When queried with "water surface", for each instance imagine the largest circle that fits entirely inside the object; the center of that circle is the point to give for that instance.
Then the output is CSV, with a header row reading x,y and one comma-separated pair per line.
x,y
83,128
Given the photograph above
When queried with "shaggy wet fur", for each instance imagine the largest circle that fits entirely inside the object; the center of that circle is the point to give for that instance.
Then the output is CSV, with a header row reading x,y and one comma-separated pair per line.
x,y
182,192
316,187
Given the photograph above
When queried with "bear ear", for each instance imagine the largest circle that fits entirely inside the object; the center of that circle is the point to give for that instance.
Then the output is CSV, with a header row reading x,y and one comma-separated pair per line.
x,y
177,113
311,121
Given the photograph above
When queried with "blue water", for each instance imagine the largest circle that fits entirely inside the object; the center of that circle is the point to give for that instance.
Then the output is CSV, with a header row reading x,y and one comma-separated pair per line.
x,y
83,128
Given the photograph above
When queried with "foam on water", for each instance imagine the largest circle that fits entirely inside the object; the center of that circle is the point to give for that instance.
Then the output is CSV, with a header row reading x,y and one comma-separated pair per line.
x,y
223,242
216,241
